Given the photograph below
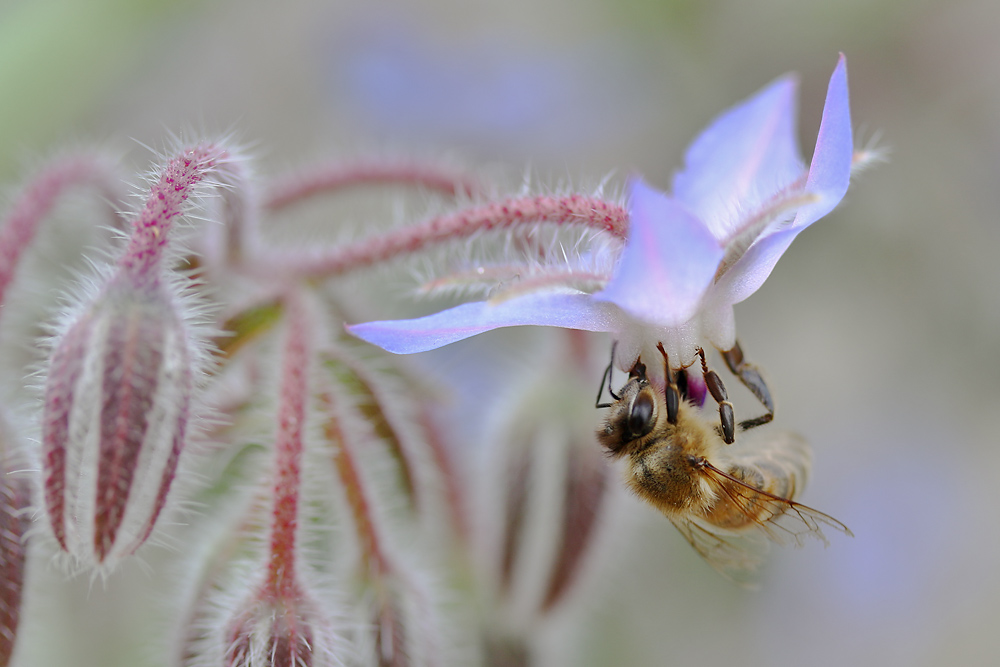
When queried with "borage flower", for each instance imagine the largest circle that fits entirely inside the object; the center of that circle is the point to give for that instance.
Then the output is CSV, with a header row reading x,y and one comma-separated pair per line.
x,y
741,199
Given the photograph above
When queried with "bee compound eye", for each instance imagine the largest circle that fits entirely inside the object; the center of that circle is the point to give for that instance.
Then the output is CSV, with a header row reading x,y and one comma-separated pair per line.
x,y
641,416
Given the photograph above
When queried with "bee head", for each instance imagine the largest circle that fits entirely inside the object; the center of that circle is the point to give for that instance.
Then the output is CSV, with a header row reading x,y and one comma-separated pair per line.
x,y
631,417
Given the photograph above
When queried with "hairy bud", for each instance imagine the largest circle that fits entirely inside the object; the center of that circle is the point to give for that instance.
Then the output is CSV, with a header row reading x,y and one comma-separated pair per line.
x,y
120,381
278,633
117,405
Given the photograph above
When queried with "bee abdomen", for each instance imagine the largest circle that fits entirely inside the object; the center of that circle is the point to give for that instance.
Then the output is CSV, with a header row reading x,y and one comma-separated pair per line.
x,y
778,467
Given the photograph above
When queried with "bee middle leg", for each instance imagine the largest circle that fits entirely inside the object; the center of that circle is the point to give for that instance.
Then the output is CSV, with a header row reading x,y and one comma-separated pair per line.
x,y
716,387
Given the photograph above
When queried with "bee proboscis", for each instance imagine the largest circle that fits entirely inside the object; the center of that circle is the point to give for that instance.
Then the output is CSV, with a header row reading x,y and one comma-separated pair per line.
x,y
729,502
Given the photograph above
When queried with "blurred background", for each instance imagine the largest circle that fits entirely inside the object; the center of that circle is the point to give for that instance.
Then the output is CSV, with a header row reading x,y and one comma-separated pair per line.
x,y
879,330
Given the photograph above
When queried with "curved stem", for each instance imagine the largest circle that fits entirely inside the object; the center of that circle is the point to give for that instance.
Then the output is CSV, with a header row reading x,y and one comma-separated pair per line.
x,y
506,214
322,179
37,200
165,202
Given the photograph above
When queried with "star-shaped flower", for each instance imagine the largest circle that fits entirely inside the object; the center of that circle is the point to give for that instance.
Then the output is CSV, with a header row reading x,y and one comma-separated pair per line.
x,y
742,197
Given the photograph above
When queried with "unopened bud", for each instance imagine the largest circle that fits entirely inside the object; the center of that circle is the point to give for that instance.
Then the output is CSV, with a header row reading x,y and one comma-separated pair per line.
x,y
279,633
116,410
118,393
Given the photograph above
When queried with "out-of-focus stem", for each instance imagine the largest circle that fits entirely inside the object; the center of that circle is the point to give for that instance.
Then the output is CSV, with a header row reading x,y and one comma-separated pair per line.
x,y
389,426
327,178
584,497
399,636
14,522
454,493
294,393
386,423
37,200
358,498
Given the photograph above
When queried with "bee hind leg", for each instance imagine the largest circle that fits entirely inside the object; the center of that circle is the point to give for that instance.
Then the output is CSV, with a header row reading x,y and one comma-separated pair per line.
x,y
750,376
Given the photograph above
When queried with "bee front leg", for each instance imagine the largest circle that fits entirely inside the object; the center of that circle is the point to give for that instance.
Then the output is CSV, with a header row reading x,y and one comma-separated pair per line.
x,y
671,393
750,376
718,390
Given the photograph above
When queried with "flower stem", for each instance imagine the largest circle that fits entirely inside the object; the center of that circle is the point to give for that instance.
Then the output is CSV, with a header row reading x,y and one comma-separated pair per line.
x,y
38,199
166,198
322,179
294,390
376,405
14,523
358,495
443,460
507,214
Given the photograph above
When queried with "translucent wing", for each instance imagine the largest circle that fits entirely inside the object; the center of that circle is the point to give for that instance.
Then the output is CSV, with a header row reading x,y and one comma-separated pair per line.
x,y
751,510
779,519
736,556
737,553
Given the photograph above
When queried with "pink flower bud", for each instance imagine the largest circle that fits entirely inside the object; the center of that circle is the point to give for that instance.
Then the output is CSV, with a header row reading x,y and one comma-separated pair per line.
x,y
116,410
118,394
290,632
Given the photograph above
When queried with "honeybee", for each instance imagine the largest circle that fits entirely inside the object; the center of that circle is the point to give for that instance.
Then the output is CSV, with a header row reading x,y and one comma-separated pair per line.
x,y
728,502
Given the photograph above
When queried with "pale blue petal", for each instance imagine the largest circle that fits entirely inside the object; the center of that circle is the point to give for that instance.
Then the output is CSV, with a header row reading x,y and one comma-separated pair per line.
x,y
668,262
749,273
830,171
744,157
570,311
829,175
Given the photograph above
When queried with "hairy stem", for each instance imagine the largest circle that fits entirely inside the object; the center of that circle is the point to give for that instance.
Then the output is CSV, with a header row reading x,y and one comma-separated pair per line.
x,y
166,199
359,497
288,451
328,178
37,200
507,214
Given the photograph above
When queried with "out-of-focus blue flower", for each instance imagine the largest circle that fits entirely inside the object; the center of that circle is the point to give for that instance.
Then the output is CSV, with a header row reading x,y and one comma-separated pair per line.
x,y
491,93
741,199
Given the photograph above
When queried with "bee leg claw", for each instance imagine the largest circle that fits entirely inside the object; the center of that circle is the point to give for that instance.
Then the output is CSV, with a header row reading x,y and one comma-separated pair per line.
x,y
728,420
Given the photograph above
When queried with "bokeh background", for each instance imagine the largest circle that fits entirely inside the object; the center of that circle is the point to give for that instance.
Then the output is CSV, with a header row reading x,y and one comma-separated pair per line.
x,y
879,330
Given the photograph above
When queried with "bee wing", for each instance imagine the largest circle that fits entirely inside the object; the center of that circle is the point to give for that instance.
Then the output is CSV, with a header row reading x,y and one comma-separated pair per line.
x,y
780,520
762,517
736,556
